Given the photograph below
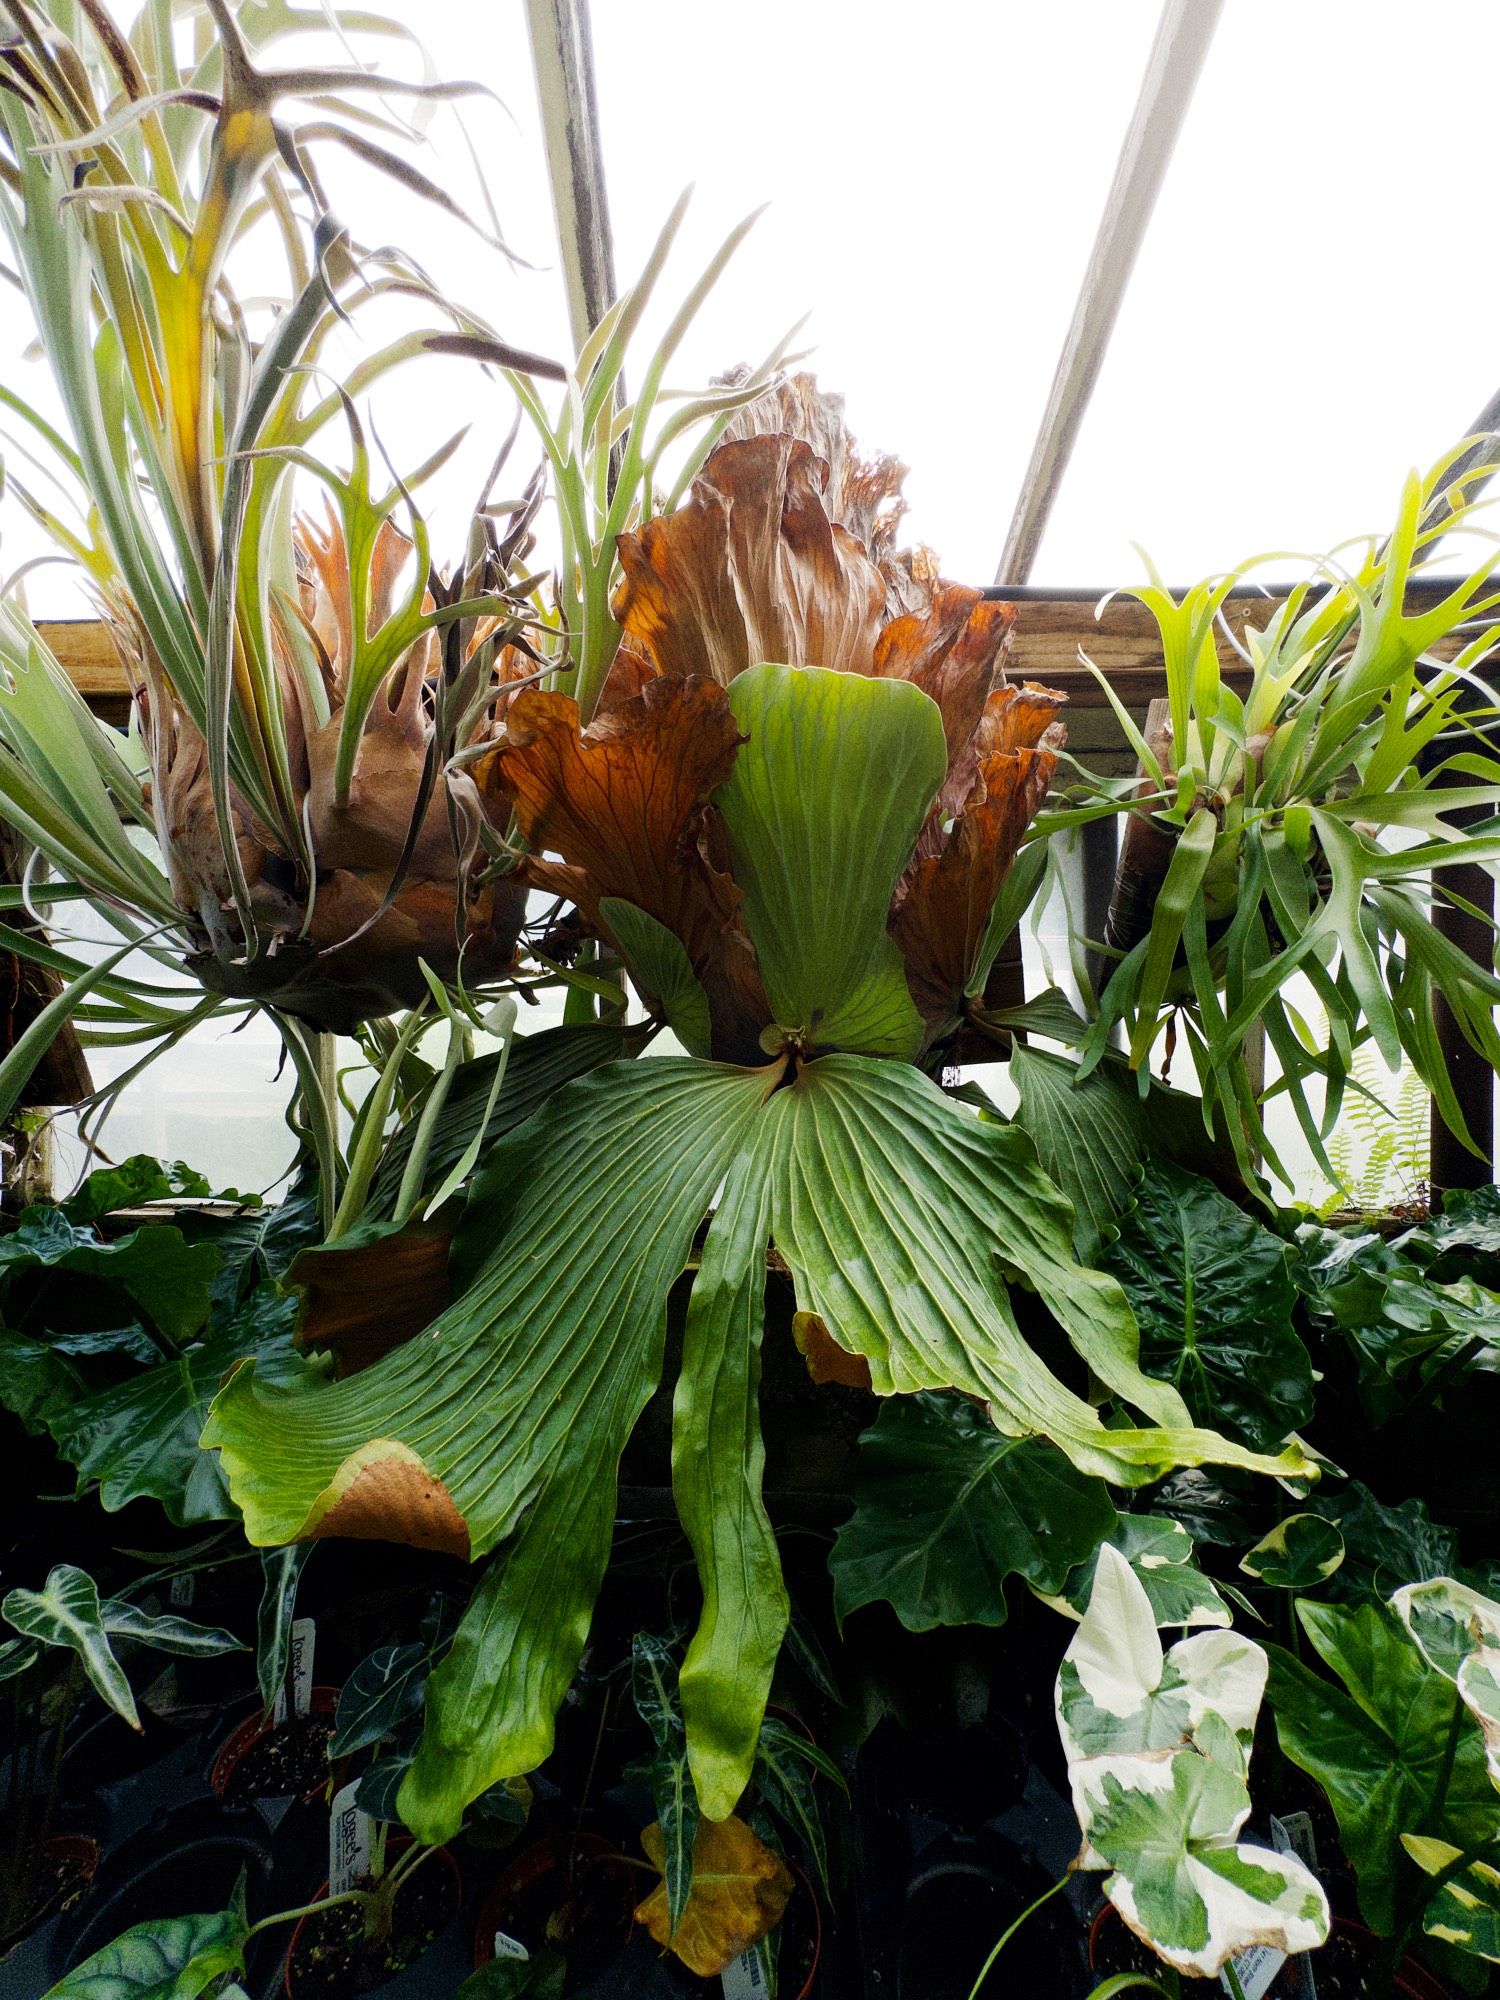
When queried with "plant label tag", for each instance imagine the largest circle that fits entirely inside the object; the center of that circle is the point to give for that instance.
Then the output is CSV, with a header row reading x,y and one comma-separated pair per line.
x,y
745,1978
352,1856
1293,1834
180,1596
509,1947
1254,1969
303,1645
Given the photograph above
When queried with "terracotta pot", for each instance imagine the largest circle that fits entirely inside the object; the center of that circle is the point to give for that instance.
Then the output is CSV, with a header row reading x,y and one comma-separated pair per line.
x,y
394,1847
1413,1981
525,1895
69,1862
254,1729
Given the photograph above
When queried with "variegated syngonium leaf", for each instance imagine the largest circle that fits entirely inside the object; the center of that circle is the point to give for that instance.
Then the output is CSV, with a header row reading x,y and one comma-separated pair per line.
x,y
1465,1910
1157,1746
1457,1632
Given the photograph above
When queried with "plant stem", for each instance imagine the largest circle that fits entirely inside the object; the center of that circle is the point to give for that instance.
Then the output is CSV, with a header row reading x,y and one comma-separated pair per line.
x,y
1006,1935
306,1910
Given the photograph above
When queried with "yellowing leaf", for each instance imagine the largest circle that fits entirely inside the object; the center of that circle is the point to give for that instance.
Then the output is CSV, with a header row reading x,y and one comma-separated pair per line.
x,y
739,1891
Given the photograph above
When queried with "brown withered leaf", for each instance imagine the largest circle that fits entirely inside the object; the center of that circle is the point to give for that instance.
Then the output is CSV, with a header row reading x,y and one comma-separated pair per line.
x,y
954,652
740,1889
944,904
368,1292
826,1360
385,1493
751,568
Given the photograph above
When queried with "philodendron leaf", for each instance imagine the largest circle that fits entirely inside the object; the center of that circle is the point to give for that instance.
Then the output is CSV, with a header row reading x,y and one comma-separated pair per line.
x,y
66,1612
1300,1552
169,1278
823,808
1160,1552
946,1507
900,1216
170,1958
1157,1747
1380,1745
1213,1293
1465,1910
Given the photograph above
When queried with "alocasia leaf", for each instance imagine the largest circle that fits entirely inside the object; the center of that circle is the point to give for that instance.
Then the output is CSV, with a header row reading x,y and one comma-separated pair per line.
x,y
1160,1552
653,1679
1380,1745
900,1217
740,1889
384,1689
1157,1747
1213,1294
66,1612
281,1571
823,807
1300,1552
787,1767
169,1958
166,1634
946,1507
541,1977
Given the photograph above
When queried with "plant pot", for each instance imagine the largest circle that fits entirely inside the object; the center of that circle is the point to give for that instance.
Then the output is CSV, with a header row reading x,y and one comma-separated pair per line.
x,y
328,1957
573,1891
184,1861
262,1759
65,1865
1340,1967
600,1936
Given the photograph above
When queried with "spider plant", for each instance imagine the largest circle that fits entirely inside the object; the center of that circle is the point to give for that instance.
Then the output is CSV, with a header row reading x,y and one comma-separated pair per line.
x,y
1291,843
285,817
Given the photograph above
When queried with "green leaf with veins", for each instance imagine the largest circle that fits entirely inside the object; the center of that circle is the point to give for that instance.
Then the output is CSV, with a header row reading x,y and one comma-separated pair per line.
x,y
822,810
165,1634
900,1217
1181,1881
384,1689
1300,1552
1383,1546
653,1684
170,1279
66,1612
787,1767
169,1958
663,970
1091,1137
946,1507
1465,1911
1160,1551
1213,1293
1380,1744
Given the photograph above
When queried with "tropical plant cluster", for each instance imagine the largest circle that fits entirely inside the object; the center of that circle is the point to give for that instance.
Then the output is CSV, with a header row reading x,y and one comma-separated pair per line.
x,y
549,1517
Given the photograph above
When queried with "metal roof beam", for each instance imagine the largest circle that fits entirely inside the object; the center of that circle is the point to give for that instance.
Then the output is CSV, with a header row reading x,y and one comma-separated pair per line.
x,y
1176,61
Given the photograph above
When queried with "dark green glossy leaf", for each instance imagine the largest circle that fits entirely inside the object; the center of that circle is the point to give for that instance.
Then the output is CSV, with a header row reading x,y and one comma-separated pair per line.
x,y
134,1182
281,1571
787,1767
1213,1294
169,1278
1379,1745
1300,1553
1384,1547
380,1787
541,1977
1090,1137
384,1689
946,1508
1160,1552
170,1958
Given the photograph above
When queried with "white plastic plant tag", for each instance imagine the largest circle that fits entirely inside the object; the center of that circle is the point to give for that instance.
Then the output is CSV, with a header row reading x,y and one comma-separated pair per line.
x,y
1293,1834
1254,1969
509,1947
303,1645
353,1855
745,1978
180,1596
